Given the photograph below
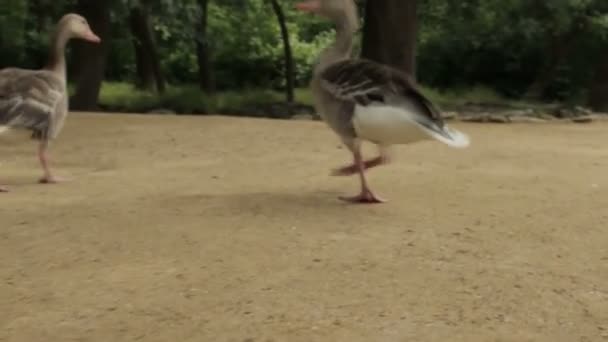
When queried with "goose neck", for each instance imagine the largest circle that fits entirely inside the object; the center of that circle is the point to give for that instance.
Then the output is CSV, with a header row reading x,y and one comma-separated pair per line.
x,y
57,61
341,48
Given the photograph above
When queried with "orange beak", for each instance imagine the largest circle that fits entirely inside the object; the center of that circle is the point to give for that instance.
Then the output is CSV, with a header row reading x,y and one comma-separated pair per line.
x,y
310,6
91,37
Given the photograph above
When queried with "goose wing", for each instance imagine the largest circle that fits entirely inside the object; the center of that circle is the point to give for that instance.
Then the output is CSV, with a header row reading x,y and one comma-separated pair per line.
x,y
368,83
28,99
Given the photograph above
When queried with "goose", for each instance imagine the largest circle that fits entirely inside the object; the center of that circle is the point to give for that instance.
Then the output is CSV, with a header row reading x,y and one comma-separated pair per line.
x,y
37,100
362,100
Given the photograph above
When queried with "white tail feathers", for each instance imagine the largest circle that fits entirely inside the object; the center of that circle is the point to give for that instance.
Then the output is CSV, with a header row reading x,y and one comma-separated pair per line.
x,y
396,125
450,137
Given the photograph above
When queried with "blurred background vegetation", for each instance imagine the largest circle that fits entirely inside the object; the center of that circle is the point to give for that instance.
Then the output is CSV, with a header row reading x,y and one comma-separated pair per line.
x,y
212,56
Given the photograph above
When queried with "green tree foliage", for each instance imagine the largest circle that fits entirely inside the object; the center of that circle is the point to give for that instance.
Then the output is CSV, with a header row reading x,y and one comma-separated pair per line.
x,y
513,46
508,43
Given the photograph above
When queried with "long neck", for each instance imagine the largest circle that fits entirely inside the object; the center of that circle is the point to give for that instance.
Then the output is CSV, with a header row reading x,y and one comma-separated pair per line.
x,y
340,49
56,62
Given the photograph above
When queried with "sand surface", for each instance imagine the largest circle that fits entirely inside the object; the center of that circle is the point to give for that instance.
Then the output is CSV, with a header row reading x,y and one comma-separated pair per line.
x,y
222,229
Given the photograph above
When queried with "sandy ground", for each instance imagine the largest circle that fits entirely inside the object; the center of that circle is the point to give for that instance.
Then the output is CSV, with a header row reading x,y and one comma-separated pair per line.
x,y
224,229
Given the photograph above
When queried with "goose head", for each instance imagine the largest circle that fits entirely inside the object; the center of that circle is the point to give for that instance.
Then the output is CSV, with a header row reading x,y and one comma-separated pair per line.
x,y
75,26
342,12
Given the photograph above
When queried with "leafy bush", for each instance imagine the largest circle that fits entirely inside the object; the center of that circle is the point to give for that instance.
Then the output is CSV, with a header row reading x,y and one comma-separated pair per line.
x,y
500,45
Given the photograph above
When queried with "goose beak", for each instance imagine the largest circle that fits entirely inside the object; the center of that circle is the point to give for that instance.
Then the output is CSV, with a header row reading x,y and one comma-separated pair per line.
x,y
91,37
310,6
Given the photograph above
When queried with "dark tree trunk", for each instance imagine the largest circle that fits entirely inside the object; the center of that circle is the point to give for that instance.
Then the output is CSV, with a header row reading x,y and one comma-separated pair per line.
x,y
559,46
143,65
146,53
143,68
91,58
557,51
288,60
203,50
598,92
389,33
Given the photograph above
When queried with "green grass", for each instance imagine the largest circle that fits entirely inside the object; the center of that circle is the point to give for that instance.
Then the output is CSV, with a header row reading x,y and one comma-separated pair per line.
x,y
182,99
454,98
304,96
462,96
189,99
457,98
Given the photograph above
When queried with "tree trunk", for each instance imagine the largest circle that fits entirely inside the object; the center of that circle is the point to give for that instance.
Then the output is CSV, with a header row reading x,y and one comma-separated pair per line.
x,y
288,60
558,47
598,92
203,51
91,58
557,51
143,65
146,53
389,33
143,68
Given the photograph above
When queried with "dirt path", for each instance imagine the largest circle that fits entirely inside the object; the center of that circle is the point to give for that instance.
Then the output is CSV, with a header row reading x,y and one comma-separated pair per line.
x,y
220,229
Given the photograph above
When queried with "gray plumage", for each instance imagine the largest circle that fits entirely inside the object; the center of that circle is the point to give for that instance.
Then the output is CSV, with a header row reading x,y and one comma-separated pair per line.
x,y
365,83
37,100
362,100
343,86
33,100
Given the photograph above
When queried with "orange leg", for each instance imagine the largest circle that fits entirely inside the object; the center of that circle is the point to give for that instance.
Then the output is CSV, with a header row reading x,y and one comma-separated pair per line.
x,y
352,169
48,177
366,195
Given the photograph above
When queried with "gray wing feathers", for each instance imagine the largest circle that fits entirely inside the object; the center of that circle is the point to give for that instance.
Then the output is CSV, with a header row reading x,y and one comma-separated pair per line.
x,y
29,99
367,83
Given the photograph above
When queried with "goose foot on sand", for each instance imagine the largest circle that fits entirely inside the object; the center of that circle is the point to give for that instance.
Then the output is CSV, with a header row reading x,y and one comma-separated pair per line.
x,y
51,180
365,197
48,178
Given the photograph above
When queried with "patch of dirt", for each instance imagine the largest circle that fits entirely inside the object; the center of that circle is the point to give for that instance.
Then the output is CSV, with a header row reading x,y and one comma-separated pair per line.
x,y
229,229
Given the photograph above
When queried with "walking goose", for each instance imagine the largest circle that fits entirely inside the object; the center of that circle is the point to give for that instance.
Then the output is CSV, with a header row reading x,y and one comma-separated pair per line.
x,y
37,100
365,101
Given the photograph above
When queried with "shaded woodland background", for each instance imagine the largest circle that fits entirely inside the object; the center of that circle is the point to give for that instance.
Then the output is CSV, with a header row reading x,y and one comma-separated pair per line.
x,y
206,56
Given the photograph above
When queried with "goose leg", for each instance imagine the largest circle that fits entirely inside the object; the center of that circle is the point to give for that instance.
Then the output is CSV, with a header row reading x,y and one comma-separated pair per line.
x,y
366,195
48,177
350,170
